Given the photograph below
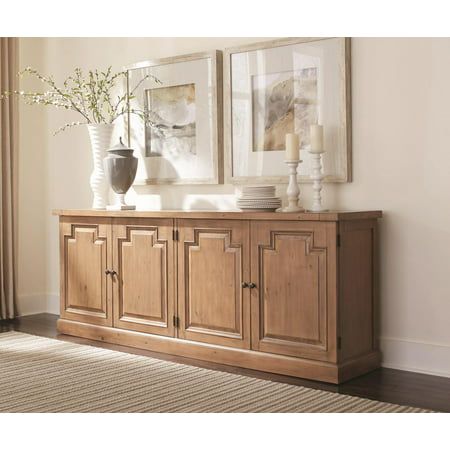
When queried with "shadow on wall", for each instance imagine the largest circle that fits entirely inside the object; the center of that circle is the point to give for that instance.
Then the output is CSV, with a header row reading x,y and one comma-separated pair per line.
x,y
187,197
202,203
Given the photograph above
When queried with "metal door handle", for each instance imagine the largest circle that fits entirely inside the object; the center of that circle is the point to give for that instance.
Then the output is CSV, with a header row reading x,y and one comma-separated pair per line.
x,y
251,285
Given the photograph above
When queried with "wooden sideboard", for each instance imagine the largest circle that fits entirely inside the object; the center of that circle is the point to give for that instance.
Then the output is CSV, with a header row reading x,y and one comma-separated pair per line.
x,y
293,293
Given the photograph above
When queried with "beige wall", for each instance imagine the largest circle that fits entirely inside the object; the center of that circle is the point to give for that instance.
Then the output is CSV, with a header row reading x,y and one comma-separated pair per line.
x,y
401,112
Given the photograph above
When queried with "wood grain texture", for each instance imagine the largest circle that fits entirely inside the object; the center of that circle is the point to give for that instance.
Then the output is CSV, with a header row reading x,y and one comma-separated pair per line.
x,y
144,287
85,255
297,367
357,288
333,216
353,368
348,107
294,302
295,288
212,265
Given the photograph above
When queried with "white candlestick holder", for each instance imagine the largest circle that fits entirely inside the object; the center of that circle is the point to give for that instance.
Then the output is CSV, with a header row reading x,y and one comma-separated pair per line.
x,y
293,190
317,177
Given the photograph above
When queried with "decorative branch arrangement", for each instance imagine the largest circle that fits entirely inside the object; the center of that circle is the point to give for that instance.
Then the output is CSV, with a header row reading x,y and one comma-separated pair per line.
x,y
91,95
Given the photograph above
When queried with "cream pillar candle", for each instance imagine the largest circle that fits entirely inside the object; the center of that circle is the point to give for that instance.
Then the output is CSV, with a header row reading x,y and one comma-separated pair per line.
x,y
292,147
316,136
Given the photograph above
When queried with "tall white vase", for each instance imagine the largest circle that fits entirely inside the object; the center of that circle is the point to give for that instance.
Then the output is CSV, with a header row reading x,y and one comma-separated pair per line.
x,y
100,135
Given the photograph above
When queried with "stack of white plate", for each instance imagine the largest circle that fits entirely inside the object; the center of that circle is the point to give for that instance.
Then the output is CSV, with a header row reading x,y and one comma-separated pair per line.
x,y
258,198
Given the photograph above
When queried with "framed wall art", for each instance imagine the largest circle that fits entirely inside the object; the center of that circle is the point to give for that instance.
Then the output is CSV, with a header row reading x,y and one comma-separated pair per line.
x,y
178,136
277,87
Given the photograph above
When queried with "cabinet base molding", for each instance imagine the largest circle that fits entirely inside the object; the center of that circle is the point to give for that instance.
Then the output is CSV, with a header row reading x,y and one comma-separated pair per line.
x,y
294,294
249,359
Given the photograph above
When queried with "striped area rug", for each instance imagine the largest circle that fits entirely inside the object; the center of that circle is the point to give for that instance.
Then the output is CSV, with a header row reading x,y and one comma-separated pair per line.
x,y
46,375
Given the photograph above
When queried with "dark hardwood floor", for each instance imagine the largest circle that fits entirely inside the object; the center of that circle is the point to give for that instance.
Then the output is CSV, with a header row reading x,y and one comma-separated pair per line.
x,y
387,385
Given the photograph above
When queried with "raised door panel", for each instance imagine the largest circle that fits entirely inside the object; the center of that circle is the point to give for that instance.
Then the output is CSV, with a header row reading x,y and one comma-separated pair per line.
x,y
212,265
144,280
85,256
293,303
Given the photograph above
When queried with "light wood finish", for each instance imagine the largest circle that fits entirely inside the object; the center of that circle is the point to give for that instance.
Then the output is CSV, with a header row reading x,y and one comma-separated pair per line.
x,y
355,367
143,254
294,294
85,255
297,367
212,265
294,302
357,287
345,124
347,93
235,215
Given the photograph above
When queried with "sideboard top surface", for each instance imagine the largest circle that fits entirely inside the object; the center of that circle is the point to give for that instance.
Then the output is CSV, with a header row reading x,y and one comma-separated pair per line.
x,y
235,215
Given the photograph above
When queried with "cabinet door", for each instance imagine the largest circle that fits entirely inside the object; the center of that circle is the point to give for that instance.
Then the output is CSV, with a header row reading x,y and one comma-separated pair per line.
x,y
213,262
85,255
294,301
144,280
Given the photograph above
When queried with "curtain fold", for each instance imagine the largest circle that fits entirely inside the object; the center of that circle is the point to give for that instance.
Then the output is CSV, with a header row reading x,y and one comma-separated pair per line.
x,y
8,177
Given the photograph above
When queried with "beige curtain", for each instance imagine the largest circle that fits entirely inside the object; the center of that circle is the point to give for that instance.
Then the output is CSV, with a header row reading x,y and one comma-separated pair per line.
x,y
8,177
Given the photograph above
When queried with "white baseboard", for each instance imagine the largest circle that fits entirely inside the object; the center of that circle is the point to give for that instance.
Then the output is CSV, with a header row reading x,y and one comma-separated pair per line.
x,y
37,304
53,304
430,358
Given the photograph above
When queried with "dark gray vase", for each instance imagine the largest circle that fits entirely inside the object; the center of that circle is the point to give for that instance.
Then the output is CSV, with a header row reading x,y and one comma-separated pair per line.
x,y
120,170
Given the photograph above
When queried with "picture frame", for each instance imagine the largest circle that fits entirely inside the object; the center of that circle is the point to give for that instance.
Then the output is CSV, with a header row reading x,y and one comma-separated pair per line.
x,y
281,69
187,145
